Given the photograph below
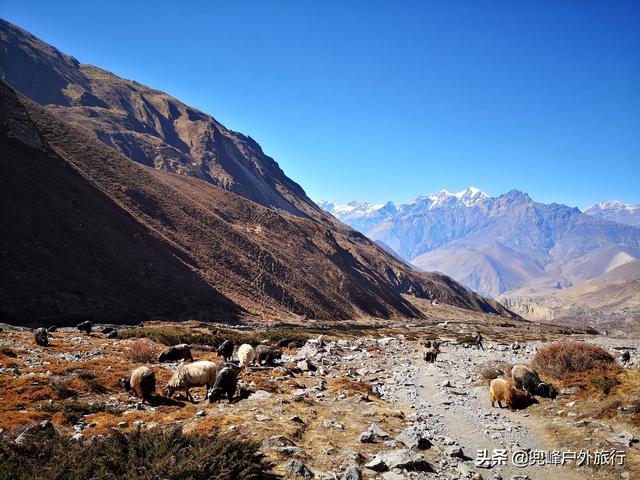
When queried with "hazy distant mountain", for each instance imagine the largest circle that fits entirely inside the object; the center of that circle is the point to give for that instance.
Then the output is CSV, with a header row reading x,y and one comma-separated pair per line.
x,y
616,211
609,302
496,244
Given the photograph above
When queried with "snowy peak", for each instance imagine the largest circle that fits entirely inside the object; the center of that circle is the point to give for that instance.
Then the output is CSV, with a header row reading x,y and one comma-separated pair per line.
x,y
616,211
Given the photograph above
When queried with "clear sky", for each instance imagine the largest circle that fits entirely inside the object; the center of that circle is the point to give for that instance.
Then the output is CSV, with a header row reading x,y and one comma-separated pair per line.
x,y
390,100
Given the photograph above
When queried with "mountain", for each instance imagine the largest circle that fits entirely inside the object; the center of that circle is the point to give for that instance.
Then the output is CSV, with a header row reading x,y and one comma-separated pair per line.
x,y
497,244
609,302
91,230
616,211
147,125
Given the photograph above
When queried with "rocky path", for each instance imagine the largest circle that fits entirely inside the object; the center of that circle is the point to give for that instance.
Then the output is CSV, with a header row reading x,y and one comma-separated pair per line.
x,y
455,414
462,416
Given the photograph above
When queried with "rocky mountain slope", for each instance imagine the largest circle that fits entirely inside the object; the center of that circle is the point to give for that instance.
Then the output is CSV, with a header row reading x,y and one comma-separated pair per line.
x,y
148,126
89,233
496,244
616,211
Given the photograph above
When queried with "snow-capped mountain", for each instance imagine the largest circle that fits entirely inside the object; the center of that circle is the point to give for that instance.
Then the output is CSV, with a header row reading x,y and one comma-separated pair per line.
x,y
496,244
616,211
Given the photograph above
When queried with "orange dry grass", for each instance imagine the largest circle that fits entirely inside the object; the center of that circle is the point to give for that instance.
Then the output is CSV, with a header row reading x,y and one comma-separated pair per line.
x,y
561,359
350,386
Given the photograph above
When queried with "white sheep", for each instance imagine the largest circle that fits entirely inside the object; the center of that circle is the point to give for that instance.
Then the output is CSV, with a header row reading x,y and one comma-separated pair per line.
x,y
189,375
246,354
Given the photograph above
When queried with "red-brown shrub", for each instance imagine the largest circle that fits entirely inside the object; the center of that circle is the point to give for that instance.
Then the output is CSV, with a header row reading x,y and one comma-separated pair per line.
x,y
143,350
560,359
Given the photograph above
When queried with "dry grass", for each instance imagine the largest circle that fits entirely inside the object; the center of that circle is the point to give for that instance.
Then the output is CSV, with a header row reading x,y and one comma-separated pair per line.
x,y
143,350
561,359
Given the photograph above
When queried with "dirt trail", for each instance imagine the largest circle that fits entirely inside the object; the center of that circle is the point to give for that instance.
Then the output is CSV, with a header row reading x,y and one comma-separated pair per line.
x,y
462,415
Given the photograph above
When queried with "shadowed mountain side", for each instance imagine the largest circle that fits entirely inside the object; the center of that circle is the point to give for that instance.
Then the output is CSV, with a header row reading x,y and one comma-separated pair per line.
x,y
70,253
270,263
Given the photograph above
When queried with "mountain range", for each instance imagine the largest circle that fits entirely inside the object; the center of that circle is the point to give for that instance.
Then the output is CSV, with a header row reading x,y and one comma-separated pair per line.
x,y
498,245
121,203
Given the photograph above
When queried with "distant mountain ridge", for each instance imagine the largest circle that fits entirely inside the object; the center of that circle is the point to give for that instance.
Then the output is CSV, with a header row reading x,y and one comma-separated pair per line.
x,y
616,211
495,244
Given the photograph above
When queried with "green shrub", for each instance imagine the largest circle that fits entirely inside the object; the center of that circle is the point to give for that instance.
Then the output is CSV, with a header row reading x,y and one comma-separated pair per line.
x,y
138,455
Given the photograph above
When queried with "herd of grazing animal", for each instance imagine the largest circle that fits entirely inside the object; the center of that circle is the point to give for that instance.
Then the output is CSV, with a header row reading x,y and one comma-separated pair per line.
x,y
516,392
219,378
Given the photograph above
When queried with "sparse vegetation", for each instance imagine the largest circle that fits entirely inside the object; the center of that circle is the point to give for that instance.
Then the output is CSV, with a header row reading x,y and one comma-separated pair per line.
x,y
140,455
7,352
143,350
561,359
176,335
604,384
73,410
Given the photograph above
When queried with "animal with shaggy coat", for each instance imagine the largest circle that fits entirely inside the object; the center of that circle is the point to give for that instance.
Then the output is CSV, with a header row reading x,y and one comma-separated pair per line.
x,y
246,354
527,379
41,337
85,327
267,354
502,391
225,350
142,381
226,382
188,375
431,352
175,353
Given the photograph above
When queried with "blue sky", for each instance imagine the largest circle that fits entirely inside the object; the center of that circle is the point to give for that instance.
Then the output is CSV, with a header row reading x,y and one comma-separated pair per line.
x,y
390,100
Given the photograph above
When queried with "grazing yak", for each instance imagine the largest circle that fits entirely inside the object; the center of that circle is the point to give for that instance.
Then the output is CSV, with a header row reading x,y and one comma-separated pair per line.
x,y
246,354
501,391
175,353
41,336
225,350
142,381
267,354
226,382
85,327
188,375
626,356
527,379
431,352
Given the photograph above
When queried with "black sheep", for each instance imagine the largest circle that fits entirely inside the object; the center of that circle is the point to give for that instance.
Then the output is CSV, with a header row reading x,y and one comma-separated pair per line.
x,y
267,354
226,382
225,350
85,327
175,353
41,337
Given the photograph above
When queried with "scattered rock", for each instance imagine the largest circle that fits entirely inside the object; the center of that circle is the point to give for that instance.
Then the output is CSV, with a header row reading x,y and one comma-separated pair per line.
x,y
373,433
352,473
454,451
623,438
330,423
299,469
